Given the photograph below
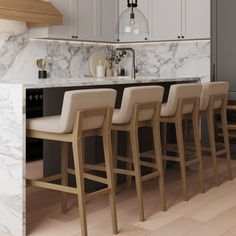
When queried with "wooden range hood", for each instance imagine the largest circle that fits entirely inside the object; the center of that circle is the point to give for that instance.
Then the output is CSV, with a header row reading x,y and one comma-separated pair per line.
x,y
35,13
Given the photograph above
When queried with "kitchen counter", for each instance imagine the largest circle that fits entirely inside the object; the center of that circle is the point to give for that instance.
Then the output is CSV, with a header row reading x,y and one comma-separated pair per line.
x,y
49,83
13,139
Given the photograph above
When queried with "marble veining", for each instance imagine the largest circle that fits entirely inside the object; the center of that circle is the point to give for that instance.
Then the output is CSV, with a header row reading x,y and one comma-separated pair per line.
x,y
176,59
18,55
12,176
10,47
52,83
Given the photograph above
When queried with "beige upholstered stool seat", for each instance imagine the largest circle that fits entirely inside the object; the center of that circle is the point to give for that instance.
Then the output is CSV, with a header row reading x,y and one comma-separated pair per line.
x,y
140,107
213,101
177,92
52,124
73,101
136,95
85,113
183,104
49,124
211,89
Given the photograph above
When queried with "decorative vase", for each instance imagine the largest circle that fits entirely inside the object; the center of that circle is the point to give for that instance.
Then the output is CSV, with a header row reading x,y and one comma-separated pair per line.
x,y
108,72
115,70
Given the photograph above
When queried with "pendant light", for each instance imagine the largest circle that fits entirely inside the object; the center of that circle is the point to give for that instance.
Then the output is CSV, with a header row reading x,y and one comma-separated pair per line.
x,y
132,21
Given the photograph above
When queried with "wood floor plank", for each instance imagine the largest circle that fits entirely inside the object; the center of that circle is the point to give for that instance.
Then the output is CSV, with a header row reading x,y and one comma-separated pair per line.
x,y
184,208
217,225
177,228
44,217
215,208
230,232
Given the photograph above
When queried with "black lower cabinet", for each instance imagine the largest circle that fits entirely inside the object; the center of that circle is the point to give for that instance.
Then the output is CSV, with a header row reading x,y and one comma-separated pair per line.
x,y
34,105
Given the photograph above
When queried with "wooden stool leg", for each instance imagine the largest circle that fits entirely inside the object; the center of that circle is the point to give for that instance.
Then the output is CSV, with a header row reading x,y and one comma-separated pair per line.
x,y
129,165
197,141
64,180
137,170
226,142
158,155
164,143
114,152
108,161
78,161
211,134
180,143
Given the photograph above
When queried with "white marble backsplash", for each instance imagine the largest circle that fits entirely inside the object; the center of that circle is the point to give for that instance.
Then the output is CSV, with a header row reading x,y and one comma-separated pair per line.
x,y
173,59
18,55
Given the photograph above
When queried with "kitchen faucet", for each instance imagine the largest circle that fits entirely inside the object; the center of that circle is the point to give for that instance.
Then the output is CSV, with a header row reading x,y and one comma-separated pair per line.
x,y
134,69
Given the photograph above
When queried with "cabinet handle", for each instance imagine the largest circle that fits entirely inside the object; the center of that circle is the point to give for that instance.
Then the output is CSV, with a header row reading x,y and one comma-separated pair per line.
x,y
76,37
178,37
73,37
182,37
145,38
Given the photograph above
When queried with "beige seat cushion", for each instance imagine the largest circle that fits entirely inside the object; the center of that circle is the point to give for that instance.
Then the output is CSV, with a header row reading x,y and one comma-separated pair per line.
x,y
45,124
209,89
177,92
77,100
137,95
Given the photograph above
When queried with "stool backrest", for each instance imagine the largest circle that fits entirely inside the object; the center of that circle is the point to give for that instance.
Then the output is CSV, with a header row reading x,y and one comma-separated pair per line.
x,y
211,89
139,95
180,92
89,99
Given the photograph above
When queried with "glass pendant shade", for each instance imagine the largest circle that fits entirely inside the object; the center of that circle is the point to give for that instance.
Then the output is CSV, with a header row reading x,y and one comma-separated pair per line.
x,y
133,24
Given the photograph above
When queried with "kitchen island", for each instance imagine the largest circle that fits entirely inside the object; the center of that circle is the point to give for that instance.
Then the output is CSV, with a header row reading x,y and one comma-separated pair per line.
x,y
13,109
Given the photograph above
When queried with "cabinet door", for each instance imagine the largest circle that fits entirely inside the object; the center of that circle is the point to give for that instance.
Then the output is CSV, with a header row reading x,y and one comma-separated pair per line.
x,y
165,19
143,6
69,11
196,22
106,20
87,19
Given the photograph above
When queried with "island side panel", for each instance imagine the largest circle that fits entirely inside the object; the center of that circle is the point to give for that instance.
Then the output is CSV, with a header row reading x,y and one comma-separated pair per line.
x,y
12,159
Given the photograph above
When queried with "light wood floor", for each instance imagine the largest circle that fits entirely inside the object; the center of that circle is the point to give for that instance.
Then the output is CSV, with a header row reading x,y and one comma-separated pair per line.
x,y
209,214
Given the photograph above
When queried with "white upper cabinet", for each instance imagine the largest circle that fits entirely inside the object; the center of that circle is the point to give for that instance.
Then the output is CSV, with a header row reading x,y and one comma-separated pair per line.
x,y
86,21
98,20
68,9
165,19
180,19
197,15
108,23
83,20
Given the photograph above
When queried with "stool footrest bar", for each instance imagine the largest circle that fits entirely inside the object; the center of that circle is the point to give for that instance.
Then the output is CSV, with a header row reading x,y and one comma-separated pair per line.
x,y
170,158
192,162
95,167
56,187
95,178
123,172
150,176
90,196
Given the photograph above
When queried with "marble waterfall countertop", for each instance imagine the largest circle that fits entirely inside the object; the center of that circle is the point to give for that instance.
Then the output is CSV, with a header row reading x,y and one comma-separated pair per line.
x,y
73,82
13,140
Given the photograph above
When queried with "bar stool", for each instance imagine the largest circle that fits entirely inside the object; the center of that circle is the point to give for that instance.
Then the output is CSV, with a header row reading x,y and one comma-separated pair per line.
x,y
84,113
213,101
140,108
183,104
